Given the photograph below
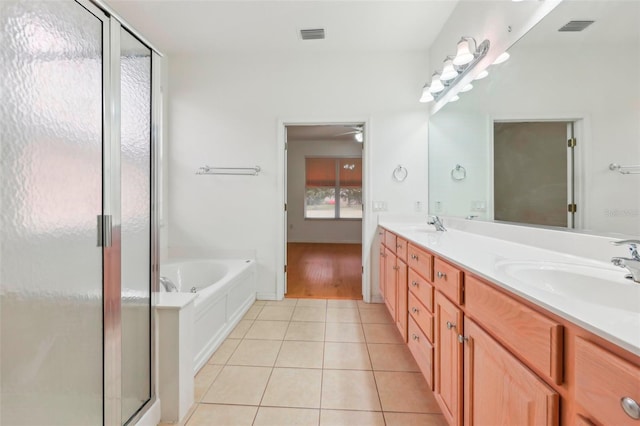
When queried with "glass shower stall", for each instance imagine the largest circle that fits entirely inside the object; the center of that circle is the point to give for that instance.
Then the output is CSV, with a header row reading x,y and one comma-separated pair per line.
x,y
79,131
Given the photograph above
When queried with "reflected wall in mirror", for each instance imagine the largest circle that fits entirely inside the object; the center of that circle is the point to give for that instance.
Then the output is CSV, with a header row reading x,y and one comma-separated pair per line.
x,y
576,84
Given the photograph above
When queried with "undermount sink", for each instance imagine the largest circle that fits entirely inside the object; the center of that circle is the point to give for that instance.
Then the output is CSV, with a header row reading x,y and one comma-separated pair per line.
x,y
598,286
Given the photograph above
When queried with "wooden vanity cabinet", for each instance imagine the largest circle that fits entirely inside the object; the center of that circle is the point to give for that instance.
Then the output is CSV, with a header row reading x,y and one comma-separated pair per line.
x,y
499,389
493,358
390,281
381,264
421,348
448,362
527,333
602,381
394,279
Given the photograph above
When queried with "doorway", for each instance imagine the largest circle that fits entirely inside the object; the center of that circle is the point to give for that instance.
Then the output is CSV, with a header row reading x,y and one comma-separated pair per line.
x,y
534,168
323,218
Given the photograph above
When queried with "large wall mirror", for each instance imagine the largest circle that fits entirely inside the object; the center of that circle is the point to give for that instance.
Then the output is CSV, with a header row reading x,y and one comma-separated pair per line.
x,y
503,152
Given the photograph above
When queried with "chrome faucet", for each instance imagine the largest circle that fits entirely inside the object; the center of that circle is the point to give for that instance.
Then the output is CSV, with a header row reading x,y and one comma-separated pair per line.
x,y
168,285
631,263
435,221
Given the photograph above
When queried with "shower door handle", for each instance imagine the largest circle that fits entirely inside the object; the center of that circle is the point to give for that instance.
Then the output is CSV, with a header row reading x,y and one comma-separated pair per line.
x,y
104,230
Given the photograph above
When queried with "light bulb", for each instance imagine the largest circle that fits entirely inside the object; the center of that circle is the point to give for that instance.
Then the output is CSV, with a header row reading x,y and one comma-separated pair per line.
x,y
455,98
481,75
448,72
466,88
436,85
359,137
426,94
500,59
465,51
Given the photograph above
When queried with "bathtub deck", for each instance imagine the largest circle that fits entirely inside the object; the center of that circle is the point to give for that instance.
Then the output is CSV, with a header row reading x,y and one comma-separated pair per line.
x,y
325,271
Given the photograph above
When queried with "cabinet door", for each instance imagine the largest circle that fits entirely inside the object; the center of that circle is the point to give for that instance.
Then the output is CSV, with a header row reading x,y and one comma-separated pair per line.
x,y
499,389
402,304
381,272
390,274
448,386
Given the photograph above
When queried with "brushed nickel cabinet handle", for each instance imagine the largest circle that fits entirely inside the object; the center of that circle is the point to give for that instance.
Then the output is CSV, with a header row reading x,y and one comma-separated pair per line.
x,y
414,283
450,325
414,257
415,337
462,339
441,274
630,407
415,310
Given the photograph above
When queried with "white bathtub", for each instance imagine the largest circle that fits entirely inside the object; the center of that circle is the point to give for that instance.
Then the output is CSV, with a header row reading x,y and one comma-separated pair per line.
x,y
225,290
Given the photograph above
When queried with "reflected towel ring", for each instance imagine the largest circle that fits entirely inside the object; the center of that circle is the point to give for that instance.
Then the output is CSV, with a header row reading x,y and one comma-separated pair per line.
x,y
400,173
458,172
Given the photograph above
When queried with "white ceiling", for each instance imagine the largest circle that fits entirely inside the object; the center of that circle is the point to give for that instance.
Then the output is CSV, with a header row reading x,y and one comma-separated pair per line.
x,y
208,26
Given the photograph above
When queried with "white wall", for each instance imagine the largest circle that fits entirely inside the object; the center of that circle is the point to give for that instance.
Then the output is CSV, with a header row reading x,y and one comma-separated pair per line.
x,y
299,229
225,110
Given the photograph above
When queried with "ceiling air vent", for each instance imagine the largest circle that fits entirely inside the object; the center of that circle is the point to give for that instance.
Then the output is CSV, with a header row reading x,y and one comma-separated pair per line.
x,y
312,34
575,26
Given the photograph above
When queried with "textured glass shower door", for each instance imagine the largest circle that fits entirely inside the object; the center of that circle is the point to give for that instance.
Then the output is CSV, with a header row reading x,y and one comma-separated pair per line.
x,y
135,164
51,192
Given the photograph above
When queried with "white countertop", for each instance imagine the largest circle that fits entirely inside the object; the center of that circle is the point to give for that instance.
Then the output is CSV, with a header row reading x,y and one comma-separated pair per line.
x,y
611,311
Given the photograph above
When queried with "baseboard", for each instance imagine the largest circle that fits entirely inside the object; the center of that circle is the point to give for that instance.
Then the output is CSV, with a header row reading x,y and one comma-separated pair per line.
x,y
377,298
267,296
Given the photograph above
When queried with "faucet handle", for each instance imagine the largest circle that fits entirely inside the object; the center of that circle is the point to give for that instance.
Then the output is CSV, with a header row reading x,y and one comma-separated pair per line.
x,y
633,247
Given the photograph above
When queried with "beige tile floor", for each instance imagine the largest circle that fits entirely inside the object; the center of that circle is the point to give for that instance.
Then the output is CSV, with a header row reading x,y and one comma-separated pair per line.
x,y
313,362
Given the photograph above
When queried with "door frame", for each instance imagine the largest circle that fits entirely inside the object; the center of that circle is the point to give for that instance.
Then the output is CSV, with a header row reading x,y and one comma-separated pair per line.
x,y
281,239
581,124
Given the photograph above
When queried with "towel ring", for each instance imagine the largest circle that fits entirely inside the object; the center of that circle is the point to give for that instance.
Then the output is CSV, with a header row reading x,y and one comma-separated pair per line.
x,y
400,173
458,172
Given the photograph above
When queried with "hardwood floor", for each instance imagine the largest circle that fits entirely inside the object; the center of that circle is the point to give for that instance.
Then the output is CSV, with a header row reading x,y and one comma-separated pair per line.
x,y
326,271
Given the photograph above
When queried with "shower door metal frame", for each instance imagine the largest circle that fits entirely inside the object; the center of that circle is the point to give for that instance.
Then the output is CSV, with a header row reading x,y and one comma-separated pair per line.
x,y
112,332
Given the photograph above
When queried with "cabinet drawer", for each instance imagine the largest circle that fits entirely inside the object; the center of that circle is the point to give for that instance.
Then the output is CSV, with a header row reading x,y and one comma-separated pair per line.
x,y
422,290
448,279
422,351
420,261
390,240
536,339
422,316
602,380
401,248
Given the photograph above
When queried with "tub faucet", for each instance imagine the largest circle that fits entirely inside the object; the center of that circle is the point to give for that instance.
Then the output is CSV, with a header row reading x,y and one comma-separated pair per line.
x,y
632,263
435,221
168,285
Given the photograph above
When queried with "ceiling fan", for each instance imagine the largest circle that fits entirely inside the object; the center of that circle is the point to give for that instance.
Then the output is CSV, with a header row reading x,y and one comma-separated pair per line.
x,y
356,130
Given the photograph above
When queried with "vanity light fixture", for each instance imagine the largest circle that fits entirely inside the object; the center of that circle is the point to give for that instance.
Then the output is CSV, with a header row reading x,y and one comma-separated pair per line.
x,y
436,84
466,50
455,68
502,58
426,94
481,75
448,71
466,88
359,137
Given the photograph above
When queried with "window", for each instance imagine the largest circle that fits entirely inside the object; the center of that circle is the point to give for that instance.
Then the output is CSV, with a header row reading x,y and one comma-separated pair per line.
x,y
333,188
